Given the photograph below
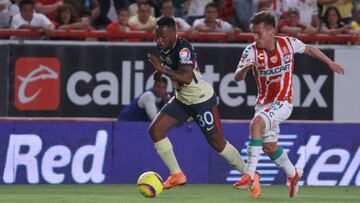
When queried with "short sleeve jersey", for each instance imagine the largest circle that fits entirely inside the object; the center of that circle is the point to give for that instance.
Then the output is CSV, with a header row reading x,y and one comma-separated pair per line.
x,y
274,70
183,54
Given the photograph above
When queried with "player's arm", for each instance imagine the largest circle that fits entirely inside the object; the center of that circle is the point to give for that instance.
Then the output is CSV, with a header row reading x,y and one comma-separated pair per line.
x,y
241,72
148,102
247,62
316,53
183,75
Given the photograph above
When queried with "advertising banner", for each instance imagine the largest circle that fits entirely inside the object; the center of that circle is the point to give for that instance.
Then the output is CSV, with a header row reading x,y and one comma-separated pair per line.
x,y
55,152
106,152
99,80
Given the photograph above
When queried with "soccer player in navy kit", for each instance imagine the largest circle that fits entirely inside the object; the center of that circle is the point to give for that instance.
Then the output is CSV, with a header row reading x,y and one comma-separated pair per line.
x,y
193,97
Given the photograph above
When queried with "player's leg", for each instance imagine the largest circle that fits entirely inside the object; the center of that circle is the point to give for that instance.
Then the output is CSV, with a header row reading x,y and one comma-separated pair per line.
x,y
281,159
251,178
171,115
207,117
222,146
277,113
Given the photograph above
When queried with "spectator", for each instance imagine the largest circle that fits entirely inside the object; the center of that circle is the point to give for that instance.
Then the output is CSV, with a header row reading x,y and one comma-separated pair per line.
x,y
332,23
355,26
344,8
122,25
146,106
166,10
143,20
292,26
48,7
308,11
134,7
86,10
181,7
28,19
66,19
211,22
4,13
107,13
196,10
244,9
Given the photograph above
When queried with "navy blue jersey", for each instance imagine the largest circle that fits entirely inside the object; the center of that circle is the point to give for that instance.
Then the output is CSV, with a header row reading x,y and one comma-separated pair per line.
x,y
183,54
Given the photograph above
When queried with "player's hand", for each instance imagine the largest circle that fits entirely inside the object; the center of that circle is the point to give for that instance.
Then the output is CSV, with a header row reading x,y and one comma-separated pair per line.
x,y
337,68
157,76
156,63
249,65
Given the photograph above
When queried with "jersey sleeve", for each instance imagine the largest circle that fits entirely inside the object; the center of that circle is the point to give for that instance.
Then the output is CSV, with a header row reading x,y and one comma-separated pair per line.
x,y
148,102
298,46
248,56
186,56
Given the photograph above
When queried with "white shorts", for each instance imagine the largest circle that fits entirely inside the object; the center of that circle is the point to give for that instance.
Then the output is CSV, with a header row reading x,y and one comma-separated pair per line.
x,y
273,114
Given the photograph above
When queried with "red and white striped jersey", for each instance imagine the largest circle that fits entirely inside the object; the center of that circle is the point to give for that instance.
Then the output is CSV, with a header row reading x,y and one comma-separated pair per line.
x,y
274,70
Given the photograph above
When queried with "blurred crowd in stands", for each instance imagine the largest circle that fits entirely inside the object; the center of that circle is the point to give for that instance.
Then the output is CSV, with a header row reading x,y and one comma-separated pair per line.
x,y
191,16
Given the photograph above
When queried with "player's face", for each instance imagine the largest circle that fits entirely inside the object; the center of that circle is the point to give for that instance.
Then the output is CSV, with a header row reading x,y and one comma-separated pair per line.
x,y
264,35
165,37
160,89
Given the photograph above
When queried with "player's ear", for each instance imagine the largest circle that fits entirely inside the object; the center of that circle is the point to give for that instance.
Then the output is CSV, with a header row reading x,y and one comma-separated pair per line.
x,y
273,31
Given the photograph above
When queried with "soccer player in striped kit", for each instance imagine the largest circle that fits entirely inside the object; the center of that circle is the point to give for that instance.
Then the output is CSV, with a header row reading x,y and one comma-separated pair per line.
x,y
271,60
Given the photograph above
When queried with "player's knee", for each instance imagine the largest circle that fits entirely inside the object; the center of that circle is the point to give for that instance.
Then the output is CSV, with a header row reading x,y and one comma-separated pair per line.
x,y
154,131
217,144
257,125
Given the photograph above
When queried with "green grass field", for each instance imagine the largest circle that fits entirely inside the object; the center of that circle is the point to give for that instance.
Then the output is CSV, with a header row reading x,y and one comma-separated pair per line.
x,y
188,193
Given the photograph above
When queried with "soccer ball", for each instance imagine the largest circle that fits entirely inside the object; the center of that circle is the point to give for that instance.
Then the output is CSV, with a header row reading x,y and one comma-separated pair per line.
x,y
150,184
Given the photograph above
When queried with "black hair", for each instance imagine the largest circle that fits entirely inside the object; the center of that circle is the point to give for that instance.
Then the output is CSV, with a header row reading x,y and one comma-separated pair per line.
x,y
327,13
63,8
163,2
166,21
265,17
162,79
26,2
212,4
122,9
144,3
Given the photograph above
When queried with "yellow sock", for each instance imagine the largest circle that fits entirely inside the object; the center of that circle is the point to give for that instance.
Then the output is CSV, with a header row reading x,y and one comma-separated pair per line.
x,y
232,155
165,150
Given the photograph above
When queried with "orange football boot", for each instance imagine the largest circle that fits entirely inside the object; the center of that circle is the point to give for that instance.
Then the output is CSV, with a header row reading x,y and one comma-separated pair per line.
x,y
253,185
174,180
293,183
